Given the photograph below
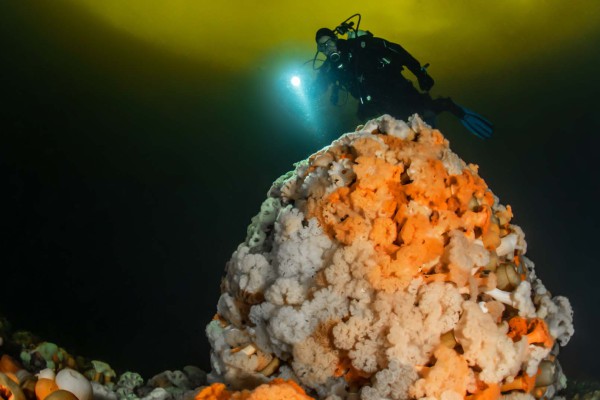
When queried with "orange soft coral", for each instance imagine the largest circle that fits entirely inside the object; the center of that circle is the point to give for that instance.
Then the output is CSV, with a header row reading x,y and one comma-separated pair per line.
x,y
216,391
490,391
449,374
535,330
404,213
524,383
277,389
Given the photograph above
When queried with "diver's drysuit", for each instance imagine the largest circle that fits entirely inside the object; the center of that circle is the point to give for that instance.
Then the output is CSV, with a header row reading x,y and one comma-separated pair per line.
x,y
370,69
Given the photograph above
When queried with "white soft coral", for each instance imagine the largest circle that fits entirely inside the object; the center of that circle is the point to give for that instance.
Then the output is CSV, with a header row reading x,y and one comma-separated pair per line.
x,y
557,311
448,378
487,346
418,321
248,272
560,320
299,245
462,255
390,383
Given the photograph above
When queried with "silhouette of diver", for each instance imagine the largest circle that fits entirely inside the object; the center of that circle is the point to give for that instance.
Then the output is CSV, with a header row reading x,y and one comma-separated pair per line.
x,y
369,68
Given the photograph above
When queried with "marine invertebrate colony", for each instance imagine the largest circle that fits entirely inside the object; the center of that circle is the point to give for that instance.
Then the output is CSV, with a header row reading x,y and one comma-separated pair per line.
x,y
383,267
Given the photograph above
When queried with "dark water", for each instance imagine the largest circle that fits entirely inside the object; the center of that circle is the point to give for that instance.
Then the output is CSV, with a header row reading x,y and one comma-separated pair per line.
x,y
129,175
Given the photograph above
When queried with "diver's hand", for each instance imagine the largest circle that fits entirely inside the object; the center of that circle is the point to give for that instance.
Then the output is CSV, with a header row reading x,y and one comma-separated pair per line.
x,y
425,81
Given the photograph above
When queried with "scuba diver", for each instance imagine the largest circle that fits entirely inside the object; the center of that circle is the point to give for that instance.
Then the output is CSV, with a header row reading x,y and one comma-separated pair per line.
x,y
370,69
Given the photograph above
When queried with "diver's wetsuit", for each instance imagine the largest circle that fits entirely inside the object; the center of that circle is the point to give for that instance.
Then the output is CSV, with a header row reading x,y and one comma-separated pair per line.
x,y
369,68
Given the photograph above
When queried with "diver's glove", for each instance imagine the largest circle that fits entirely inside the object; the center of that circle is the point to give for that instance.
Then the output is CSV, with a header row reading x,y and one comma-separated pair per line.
x,y
425,81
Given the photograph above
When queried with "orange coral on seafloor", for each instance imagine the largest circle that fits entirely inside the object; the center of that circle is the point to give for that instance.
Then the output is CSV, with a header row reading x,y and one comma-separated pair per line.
x,y
277,389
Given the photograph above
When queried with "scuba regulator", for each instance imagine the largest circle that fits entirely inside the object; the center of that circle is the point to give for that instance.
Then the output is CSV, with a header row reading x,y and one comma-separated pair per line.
x,y
347,27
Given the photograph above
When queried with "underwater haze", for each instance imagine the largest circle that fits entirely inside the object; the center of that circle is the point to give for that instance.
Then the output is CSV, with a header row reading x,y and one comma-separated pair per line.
x,y
138,139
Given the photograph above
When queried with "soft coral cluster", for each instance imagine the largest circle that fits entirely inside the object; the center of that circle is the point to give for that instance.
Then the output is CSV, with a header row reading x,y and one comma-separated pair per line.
x,y
278,389
383,267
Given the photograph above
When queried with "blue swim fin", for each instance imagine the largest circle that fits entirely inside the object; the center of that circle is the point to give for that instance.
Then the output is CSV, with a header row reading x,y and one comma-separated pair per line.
x,y
476,124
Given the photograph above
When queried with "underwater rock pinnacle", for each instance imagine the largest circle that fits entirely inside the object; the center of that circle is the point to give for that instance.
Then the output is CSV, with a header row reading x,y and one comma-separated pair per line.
x,y
383,267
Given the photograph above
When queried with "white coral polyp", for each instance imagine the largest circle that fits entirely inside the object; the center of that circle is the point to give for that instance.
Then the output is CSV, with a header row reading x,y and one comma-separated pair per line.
x,y
370,271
